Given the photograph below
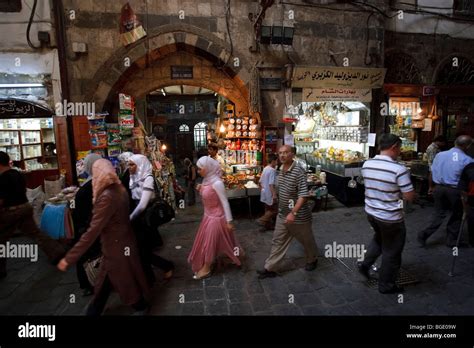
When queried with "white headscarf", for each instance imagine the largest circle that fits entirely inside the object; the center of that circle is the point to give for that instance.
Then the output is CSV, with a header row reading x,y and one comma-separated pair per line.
x,y
124,157
212,168
144,169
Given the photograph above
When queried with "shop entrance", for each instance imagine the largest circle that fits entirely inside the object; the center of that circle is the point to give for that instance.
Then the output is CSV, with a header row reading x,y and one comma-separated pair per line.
x,y
186,115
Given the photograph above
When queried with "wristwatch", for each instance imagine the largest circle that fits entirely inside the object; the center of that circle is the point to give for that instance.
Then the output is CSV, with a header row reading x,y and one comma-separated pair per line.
x,y
294,214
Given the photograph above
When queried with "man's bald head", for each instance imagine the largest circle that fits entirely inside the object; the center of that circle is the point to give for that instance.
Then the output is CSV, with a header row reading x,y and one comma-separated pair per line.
x,y
463,142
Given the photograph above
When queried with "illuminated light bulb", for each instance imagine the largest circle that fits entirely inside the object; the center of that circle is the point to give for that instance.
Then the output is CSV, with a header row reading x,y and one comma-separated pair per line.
x,y
163,147
222,128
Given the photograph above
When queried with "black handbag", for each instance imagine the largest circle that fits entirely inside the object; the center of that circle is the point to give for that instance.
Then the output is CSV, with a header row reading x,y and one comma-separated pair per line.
x,y
159,212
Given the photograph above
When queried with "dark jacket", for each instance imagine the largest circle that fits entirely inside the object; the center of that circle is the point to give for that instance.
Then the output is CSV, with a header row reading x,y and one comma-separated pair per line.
x,y
110,221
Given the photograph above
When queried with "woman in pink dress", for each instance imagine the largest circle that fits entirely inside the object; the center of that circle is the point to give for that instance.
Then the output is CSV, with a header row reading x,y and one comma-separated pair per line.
x,y
215,235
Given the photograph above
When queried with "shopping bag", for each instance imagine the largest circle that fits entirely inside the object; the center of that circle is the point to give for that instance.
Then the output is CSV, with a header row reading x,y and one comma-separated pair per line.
x,y
92,267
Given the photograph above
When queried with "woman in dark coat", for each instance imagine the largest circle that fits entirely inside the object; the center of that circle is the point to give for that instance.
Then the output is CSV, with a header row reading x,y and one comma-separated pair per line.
x,y
120,269
81,216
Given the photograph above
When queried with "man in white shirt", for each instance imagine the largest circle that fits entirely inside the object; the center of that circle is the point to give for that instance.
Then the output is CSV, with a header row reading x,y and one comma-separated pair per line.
x,y
387,184
268,194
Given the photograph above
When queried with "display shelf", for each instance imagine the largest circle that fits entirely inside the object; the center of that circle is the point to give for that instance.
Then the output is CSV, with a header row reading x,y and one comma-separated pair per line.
x,y
246,138
29,158
9,145
29,144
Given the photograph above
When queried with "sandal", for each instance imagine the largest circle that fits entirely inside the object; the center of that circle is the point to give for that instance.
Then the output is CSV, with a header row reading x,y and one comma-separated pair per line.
x,y
207,275
168,275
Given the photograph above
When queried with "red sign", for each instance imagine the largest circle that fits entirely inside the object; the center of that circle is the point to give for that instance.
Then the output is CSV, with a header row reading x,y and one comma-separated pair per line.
x,y
289,120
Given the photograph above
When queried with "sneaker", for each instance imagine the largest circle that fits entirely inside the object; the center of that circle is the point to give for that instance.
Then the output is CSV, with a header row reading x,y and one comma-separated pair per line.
x,y
262,274
364,270
311,266
395,290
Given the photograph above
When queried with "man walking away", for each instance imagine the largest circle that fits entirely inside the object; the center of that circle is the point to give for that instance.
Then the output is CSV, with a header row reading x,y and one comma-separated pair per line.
x,y
387,184
294,215
466,185
16,212
446,171
268,194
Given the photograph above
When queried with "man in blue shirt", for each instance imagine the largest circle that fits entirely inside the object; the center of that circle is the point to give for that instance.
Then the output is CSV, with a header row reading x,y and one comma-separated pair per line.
x,y
446,172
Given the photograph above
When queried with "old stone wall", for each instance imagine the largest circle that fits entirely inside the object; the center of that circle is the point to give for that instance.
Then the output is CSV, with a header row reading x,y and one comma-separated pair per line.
x,y
323,36
429,53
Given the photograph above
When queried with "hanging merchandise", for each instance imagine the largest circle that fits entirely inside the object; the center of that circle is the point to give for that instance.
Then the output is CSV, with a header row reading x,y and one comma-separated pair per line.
x,y
114,151
126,102
131,30
97,131
126,116
99,140
113,134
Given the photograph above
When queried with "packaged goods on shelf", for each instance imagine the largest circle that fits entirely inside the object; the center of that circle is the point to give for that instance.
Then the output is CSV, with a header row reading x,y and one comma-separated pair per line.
x,y
114,151
99,140
113,134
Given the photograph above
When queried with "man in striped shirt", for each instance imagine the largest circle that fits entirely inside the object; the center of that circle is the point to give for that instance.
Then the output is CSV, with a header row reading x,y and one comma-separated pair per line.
x,y
294,217
387,184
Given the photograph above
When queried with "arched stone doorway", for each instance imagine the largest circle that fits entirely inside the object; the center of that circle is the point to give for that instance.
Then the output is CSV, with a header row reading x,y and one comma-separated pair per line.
x,y
145,66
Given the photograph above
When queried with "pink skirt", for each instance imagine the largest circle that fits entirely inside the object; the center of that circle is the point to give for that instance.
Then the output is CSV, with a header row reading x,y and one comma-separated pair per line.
x,y
213,239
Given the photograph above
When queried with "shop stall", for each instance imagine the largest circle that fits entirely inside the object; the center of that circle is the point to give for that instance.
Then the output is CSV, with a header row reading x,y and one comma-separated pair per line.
x,y
332,131
332,137
413,116
27,135
242,145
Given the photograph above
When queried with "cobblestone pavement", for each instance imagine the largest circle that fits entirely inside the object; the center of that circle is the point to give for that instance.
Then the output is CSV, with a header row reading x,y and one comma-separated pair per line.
x,y
334,288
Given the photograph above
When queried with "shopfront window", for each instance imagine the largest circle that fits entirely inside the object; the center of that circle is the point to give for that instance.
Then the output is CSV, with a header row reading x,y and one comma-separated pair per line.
x,y
184,128
405,118
200,135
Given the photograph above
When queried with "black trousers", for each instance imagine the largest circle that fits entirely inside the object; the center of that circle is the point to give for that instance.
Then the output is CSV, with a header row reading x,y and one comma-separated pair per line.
x,y
470,225
146,245
446,200
100,300
388,241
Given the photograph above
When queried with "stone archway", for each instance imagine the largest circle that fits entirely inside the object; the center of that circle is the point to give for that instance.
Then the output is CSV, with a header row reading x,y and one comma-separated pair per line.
x,y
455,69
401,68
145,66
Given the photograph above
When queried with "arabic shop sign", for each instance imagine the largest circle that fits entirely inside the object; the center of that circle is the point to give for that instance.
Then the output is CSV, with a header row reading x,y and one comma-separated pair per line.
x,y
336,94
15,108
324,77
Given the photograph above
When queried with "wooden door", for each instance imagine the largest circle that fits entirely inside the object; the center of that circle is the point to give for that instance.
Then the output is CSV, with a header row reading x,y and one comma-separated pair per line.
x,y
62,148
185,145
81,133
